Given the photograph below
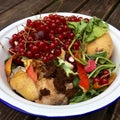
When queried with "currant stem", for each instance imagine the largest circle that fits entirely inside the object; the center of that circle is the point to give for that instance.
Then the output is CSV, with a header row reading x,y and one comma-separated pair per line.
x,y
5,48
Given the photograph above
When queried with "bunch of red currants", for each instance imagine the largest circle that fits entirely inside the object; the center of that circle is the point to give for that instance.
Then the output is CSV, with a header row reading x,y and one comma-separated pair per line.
x,y
43,38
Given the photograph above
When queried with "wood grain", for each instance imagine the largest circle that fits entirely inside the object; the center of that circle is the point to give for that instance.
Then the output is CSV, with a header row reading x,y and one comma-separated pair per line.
x,y
108,10
67,6
99,8
116,113
7,4
7,113
114,18
25,9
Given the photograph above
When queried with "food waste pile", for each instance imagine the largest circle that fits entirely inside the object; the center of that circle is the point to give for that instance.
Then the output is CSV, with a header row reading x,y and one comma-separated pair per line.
x,y
60,60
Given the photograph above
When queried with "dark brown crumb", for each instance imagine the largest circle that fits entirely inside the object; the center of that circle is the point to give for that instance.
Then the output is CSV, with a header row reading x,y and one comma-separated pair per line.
x,y
70,92
60,78
45,92
50,70
59,81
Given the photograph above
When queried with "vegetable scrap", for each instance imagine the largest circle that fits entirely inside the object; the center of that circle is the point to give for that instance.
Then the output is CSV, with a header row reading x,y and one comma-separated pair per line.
x,y
61,59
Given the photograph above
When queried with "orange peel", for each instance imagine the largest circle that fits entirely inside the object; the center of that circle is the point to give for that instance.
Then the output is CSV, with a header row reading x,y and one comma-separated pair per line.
x,y
111,79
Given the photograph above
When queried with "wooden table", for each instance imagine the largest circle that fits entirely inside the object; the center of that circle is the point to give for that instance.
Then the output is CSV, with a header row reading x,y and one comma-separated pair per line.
x,y
108,10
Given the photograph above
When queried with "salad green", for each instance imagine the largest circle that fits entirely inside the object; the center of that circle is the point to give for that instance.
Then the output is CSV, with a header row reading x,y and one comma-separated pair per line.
x,y
88,32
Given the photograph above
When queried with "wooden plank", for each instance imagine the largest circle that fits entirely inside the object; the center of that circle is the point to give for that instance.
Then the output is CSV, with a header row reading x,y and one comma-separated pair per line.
x,y
66,6
116,114
7,4
114,19
7,113
99,8
25,9
109,111
21,11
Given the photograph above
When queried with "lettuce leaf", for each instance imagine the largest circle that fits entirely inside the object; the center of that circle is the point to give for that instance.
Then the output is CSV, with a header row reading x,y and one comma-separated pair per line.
x,y
90,31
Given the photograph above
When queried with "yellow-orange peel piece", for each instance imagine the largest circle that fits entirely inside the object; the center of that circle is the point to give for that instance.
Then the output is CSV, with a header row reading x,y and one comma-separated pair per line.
x,y
111,79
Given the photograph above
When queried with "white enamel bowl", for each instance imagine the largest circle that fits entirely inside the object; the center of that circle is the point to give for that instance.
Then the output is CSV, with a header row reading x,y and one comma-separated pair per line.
x,y
10,98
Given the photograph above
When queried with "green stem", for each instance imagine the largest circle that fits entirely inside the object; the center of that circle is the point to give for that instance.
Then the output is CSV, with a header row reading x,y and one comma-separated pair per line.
x,y
69,50
104,58
99,68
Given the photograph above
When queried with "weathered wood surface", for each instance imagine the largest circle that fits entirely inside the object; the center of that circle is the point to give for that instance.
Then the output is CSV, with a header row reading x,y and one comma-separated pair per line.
x,y
22,10
8,4
108,10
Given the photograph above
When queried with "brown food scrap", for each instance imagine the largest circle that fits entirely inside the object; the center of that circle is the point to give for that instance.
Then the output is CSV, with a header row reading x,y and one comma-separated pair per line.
x,y
44,92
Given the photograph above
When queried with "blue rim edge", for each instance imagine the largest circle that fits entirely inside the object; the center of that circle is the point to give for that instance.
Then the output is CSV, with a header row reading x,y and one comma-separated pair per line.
x,y
43,116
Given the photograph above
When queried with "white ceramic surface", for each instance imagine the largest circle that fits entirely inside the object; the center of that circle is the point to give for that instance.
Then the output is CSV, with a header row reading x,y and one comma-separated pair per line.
x,y
13,100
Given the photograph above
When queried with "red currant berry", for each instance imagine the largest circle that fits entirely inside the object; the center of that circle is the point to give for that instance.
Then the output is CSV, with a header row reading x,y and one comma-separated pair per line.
x,y
52,46
103,81
29,54
96,79
34,49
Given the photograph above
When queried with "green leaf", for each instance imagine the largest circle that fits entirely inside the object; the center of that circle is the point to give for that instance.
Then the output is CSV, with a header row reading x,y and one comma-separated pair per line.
x,y
89,26
86,32
98,54
73,25
90,37
78,99
76,82
99,31
95,29
67,67
100,59
93,92
55,62
78,27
